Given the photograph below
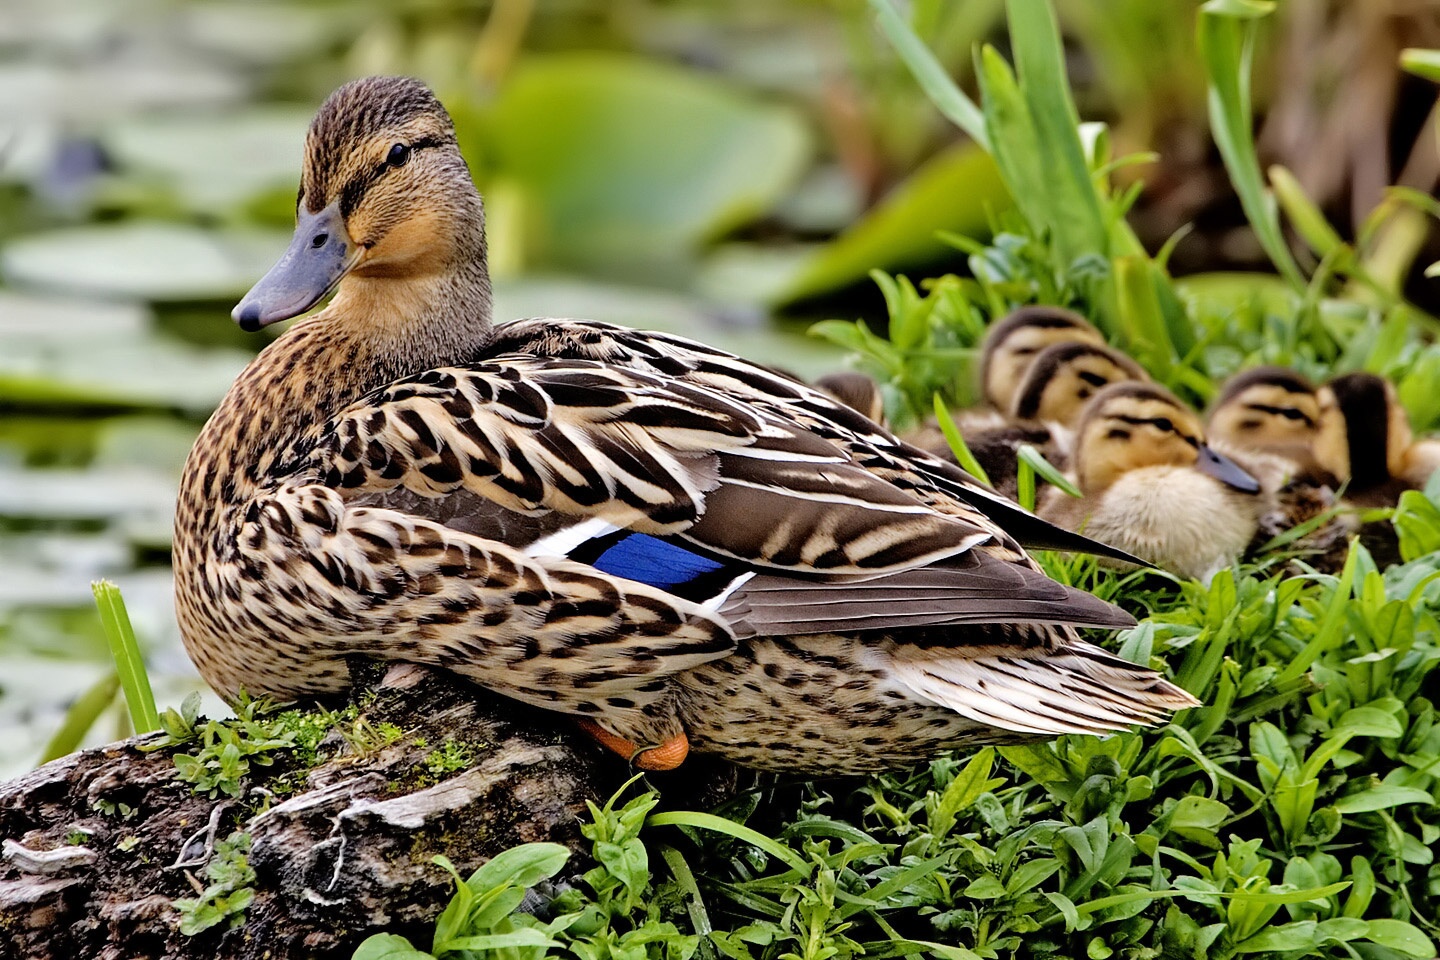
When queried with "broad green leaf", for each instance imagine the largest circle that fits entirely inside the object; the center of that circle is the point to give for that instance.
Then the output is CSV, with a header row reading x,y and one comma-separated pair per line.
x,y
388,946
1300,935
635,160
1382,796
1404,937
522,866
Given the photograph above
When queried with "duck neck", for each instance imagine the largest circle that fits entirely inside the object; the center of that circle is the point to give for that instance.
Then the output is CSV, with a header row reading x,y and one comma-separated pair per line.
x,y
378,329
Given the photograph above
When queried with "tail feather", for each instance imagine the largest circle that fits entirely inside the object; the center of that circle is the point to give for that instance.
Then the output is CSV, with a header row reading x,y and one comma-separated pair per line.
x,y
1077,688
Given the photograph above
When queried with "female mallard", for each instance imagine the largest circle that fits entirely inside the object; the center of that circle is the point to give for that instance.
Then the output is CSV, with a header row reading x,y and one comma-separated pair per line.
x,y
678,546
1151,485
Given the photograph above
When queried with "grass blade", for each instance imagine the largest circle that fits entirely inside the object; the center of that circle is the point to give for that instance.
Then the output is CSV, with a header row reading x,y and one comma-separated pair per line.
x,y
930,73
129,664
81,717
1226,36
963,456
708,821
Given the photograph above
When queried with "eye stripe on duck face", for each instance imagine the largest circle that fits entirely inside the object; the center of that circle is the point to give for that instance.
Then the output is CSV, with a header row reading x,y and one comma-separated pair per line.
x,y
358,185
1289,413
1163,424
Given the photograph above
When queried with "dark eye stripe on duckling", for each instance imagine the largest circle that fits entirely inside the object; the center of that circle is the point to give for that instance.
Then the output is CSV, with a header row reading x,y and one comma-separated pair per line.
x,y
1289,413
1164,424
355,189
1054,358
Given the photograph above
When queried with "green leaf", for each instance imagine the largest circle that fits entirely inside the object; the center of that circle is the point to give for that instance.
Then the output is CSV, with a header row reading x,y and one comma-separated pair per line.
x,y
1304,215
963,456
1382,796
933,78
129,661
524,937
1300,935
708,821
637,160
388,946
1404,937
1226,37
956,191
81,716
1369,722
1046,470
1421,62
522,866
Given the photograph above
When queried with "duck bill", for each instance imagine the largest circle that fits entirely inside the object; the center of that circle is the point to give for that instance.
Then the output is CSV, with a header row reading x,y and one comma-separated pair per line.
x,y
1225,470
319,256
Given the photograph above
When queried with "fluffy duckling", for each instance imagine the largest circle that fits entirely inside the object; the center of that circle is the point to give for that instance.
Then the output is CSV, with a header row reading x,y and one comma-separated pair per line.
x,y
1271,411
1153,487
1044,409
857,391
1364,439
1012,344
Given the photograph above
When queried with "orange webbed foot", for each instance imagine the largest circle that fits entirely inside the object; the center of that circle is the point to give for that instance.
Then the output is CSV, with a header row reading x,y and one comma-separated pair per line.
x,y
665,756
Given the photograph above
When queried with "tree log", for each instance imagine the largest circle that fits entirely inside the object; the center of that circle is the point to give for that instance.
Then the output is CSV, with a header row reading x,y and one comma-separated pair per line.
x,y
346,854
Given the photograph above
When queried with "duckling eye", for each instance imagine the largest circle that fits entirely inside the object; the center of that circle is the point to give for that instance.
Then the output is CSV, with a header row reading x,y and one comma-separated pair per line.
x,y
398,155
1290,413
1164,423
1118,434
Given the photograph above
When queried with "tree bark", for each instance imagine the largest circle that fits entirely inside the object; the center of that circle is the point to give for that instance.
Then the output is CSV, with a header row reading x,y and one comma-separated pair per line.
x,y
346,855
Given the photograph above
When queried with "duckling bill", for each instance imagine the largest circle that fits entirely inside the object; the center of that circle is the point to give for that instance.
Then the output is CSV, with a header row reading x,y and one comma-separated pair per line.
x,y
679,548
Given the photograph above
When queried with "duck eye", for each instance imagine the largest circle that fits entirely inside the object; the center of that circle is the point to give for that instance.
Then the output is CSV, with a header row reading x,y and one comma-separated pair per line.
x,y
398,155
1164,423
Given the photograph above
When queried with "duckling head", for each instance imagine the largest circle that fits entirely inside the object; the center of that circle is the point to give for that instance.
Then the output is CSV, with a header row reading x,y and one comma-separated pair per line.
x,y
386,211
1063,378
1011,346
1129,426
1363,432
1268,408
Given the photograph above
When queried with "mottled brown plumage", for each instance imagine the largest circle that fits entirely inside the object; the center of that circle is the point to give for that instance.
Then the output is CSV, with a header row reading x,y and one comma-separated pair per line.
x,y
624,526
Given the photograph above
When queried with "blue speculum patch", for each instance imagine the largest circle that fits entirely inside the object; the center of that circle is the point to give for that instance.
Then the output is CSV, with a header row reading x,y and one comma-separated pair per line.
x,y
651,560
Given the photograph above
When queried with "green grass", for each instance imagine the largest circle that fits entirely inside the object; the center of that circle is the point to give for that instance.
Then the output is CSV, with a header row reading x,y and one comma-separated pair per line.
x,y
129,662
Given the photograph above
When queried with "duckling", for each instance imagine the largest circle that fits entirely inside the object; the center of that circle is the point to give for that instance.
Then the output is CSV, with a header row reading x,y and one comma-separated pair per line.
x,y
856,390
1271,411
1364,439
1049,400
1153,487
1012,344
1267,419
680,548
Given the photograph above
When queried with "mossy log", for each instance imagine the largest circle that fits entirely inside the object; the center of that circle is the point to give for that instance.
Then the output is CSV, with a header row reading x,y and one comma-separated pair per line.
x,y
98,846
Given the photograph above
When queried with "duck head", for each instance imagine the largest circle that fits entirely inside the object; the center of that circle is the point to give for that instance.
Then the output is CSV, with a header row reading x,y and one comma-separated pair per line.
x,y
1271,409
386,214
1128,426
1012,344
1063,378
1364,433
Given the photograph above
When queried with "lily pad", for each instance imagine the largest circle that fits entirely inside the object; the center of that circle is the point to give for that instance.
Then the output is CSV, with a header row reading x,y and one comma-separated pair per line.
x,y
215,162
958,190
627,160
142,260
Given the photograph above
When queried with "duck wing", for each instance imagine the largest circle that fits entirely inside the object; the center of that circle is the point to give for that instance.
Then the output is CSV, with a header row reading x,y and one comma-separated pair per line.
x,y
737,509
641,453
942,485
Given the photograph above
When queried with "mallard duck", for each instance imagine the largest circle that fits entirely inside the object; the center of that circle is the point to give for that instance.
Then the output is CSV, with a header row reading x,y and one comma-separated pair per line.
x,y
1152,486
681,548
1364,439
1043,410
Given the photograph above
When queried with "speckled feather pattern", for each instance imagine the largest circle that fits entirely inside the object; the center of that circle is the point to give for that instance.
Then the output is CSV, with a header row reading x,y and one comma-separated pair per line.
x,y
289,556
